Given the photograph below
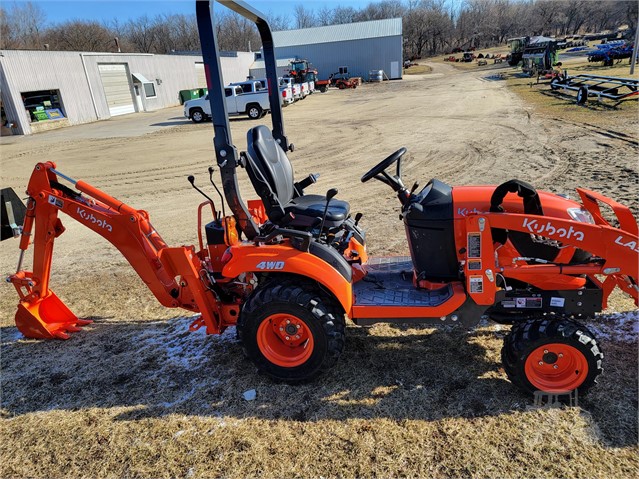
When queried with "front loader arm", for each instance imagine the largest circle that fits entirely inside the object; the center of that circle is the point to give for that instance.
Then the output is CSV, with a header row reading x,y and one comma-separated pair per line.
x,y
617,250
41,314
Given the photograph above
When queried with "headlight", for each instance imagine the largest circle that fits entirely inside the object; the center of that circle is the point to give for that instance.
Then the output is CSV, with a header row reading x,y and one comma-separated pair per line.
x,y
581,215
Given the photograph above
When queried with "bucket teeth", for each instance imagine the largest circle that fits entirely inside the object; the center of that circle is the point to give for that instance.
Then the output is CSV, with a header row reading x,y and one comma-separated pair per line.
x,y
47,318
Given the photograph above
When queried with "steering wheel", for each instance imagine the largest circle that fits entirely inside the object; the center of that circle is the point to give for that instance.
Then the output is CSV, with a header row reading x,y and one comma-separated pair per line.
x,y
380,167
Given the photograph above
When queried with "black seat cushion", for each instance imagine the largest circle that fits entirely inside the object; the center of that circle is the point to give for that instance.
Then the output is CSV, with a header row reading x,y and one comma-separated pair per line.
x,y
309,207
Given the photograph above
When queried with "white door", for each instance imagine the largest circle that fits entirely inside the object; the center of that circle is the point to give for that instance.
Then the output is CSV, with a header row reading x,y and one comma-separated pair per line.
x,y
117,89
394,70
201,75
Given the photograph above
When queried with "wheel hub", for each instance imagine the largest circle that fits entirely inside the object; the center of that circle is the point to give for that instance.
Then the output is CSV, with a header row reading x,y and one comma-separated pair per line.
x,y
556,368
285,340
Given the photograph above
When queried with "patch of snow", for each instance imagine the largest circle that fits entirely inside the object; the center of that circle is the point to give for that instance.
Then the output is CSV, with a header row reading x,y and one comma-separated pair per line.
x,y
620,327
190,350
179,433
10,335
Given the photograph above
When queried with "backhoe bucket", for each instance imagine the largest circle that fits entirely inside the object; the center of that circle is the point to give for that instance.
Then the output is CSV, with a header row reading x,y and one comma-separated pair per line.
x,y
47,318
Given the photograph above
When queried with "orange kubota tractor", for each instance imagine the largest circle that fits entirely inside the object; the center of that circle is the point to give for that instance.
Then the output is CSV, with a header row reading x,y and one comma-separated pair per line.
x,y
288,269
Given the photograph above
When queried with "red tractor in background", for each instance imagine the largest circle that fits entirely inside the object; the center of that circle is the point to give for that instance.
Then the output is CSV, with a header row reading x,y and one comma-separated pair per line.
x,y
302,71
288,269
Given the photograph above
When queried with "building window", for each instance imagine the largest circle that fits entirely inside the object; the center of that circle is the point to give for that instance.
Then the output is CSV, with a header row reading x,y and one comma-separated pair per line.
x,y
43,105
149,90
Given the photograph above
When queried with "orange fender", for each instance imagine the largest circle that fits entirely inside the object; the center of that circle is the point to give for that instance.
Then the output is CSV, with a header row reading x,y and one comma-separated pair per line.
x,y
285,259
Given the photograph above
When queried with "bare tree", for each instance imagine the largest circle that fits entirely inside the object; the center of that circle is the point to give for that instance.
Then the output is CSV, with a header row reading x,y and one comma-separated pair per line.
x,y
304,18
142,34
80,36
22,24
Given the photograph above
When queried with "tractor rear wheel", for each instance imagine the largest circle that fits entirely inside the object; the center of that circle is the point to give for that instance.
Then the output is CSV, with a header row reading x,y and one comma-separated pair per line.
x,y
551,355
292,330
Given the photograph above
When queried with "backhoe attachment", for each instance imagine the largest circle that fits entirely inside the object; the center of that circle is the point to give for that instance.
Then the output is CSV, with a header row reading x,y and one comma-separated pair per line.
x,y
172,274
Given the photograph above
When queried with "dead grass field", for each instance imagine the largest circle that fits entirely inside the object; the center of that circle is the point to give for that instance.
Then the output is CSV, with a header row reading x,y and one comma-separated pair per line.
x,y
136,395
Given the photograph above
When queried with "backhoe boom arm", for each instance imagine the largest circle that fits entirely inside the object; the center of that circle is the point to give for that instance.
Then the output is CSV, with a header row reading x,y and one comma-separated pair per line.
x,y
41,313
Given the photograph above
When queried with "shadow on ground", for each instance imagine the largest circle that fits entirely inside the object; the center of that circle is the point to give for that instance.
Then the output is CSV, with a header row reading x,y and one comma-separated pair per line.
x,y
155,368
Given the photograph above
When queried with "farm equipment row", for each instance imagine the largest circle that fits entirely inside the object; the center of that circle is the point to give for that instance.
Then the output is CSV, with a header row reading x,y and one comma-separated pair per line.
x,y
597,86
287,269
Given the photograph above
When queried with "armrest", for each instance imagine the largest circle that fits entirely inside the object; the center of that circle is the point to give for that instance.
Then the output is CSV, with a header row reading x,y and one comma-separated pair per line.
x,y
306,182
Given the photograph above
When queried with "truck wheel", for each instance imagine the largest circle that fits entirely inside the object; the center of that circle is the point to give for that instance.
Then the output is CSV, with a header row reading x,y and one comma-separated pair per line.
x,y
255,112
551,355
197,115
291,330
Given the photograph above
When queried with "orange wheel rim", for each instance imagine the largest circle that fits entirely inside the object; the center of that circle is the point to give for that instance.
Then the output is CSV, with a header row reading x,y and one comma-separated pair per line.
x,y
285,340
556,368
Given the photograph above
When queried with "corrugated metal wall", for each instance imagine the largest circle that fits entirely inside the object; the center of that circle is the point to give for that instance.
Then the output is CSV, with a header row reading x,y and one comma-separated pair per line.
x,y
360,56
25,71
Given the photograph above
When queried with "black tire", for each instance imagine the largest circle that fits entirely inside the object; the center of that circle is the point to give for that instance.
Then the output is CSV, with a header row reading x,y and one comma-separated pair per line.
x,y
254,111
197,115
554,83
319,316
526,340
582,95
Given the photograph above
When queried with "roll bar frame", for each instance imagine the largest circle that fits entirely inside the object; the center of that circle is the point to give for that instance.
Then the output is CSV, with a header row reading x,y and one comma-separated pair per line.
x,y
225,151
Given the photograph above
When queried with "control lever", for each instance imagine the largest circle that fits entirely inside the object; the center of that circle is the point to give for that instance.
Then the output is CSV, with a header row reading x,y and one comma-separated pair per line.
x,y
211,170
358,217
415,186
191,179
330,194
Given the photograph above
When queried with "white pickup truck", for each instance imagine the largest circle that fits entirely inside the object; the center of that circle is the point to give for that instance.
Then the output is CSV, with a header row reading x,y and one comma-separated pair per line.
x,y
238,102
300,90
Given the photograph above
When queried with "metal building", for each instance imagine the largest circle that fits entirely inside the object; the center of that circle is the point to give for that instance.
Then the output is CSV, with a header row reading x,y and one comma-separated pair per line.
x,y
362,47
41,90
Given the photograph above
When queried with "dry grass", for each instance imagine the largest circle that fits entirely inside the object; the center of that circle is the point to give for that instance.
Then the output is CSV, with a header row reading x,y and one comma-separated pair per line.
x,y
417,70
134,396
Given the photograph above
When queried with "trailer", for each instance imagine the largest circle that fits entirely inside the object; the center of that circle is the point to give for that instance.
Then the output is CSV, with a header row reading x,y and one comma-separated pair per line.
x,y
601,87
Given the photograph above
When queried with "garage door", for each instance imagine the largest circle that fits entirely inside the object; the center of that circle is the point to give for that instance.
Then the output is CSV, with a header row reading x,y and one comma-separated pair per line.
x,y
117,89
201,75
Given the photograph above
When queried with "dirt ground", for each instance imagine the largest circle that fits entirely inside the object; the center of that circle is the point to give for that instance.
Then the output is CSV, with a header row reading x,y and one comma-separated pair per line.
x,y
134,395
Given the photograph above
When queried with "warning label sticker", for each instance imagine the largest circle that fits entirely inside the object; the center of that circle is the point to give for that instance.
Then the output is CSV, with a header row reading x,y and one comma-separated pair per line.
x,y
54,200
474,245
528,303
474,265
557,302
476,284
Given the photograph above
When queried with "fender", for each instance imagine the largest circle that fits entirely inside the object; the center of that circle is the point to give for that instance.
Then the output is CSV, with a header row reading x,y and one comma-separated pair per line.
x,y
286,259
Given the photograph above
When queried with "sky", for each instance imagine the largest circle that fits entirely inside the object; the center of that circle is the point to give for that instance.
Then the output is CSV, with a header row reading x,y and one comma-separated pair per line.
x,y
59,11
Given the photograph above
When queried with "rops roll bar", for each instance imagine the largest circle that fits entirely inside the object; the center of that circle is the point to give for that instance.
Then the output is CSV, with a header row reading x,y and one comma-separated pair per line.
x,y
225,151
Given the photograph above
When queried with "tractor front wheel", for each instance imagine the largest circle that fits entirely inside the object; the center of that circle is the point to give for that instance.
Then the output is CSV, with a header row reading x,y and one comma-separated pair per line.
x,y
555,356
291,330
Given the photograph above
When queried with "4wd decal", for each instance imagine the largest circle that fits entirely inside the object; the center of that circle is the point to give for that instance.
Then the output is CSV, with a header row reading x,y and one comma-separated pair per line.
x,y
89,217
270,265
535,227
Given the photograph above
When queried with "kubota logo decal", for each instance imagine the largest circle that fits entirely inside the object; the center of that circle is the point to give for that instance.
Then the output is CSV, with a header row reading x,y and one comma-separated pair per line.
x,y
270,265
548,229
89,217
630,244
466,211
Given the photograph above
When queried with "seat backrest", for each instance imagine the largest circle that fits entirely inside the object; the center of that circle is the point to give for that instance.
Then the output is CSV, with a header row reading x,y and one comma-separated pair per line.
x,y
270,171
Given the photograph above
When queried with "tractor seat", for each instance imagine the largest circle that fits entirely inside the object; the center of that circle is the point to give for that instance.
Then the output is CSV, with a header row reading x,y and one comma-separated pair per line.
x,y
271,174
